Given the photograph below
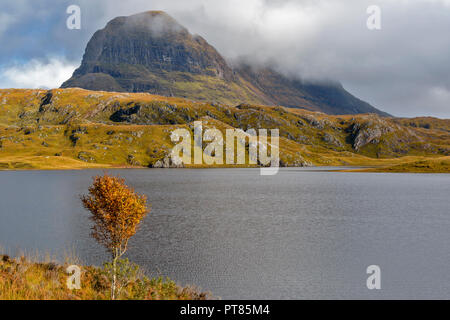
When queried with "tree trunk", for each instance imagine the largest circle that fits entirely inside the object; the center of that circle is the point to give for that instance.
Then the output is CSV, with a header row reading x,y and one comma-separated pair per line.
x,y
114,279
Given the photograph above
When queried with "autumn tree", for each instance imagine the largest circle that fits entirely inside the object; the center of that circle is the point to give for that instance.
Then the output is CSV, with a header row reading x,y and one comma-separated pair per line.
x,y
116,211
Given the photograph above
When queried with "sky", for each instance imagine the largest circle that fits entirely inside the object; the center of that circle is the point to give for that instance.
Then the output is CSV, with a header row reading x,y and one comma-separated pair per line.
x,y
402,68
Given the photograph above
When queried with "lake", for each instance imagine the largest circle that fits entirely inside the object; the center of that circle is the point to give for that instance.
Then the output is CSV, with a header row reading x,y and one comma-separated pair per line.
x,y
301,234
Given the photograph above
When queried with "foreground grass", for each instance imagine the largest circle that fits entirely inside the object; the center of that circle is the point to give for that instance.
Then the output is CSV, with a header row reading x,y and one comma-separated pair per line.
x,y
21,279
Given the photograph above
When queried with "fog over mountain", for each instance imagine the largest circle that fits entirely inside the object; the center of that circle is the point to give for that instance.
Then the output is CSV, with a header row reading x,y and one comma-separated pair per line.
x,y
403,69
151,52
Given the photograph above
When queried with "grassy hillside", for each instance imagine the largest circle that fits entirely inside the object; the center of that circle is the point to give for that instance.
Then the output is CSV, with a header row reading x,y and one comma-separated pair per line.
x,y
76,128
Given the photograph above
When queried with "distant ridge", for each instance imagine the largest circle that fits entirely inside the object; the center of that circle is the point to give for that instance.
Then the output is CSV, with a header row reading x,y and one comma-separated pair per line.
x,y
152,52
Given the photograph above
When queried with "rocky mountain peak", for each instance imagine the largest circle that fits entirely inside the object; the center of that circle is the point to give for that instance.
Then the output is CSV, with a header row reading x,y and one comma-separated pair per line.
x,y
151,52
125,54
157,23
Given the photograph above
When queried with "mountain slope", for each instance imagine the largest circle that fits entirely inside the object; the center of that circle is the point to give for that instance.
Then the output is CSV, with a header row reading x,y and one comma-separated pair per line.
x,y
76,128
329,97
151,52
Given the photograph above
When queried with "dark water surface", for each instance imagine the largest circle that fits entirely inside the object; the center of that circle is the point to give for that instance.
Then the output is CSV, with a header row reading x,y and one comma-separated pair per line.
x,y
299,234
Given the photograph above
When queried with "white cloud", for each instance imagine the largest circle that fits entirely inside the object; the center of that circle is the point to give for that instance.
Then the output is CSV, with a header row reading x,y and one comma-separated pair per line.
x,y
37,74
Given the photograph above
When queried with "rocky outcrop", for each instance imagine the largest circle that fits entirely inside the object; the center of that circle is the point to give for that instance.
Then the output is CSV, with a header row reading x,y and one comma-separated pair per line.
x,y
131,160
332,140
370,131
296,163
86,156
168,162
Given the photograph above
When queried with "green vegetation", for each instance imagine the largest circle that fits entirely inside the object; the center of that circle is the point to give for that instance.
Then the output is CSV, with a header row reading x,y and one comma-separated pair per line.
x,y
76,128
23,279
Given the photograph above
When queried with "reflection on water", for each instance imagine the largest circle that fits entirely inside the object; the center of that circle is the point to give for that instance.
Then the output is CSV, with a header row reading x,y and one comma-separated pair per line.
x,y
299,234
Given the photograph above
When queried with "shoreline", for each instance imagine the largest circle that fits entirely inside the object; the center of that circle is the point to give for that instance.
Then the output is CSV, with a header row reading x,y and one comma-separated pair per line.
x,y
407,164
343,169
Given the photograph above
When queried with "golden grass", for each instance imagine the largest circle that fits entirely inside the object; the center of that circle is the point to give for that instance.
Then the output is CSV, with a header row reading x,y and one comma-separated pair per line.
x,y
423,165
46,163
35,137
23,279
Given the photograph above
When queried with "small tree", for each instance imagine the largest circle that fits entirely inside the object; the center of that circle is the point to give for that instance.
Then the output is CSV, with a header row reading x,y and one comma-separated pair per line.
x,y
116,211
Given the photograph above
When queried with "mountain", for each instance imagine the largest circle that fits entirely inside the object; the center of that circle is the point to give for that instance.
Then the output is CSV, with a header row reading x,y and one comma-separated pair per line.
x,y
77,128
328,97
151,52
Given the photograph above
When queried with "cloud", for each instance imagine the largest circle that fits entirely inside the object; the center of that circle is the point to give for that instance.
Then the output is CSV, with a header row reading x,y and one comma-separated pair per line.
x,y
37,74
5,21
403,69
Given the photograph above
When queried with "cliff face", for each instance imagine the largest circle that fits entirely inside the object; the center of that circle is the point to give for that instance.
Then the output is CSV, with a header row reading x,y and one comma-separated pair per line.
x,y
130,51
151,52
155,41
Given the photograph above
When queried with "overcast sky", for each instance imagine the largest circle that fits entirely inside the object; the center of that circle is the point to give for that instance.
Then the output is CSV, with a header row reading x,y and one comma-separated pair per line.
x,y
403,69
